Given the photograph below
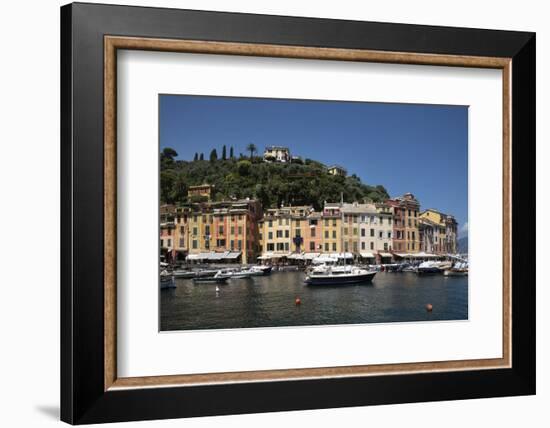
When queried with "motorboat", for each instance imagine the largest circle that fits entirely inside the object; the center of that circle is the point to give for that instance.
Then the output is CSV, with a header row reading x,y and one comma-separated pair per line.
x,y
431,267
181,273
166,280
265,269
247,273
459,269
218,278
339,275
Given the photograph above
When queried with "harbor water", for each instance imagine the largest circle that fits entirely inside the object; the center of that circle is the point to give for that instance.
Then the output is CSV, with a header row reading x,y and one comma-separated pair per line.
x,y
270,301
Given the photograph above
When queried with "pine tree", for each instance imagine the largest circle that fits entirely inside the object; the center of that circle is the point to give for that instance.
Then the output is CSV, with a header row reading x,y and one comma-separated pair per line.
x,y
231,152
201,157
196,156
213,155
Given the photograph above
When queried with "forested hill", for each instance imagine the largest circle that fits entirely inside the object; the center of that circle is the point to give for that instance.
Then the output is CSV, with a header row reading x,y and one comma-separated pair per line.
x,y
305,183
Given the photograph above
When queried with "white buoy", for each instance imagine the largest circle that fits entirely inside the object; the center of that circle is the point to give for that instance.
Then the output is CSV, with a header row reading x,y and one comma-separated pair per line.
x,y
217,289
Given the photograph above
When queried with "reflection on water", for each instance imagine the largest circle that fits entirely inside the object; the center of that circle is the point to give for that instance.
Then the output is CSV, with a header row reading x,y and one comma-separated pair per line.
x,y
269,301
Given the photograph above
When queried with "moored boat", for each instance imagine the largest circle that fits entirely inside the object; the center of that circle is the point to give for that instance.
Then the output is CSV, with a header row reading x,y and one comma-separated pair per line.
x,y
264,269
210,279
166,280
339,275
180,273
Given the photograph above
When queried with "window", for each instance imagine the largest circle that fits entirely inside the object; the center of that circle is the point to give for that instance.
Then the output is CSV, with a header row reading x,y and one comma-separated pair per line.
x,y
362,245
333,234
195,231
355,232
220,230
312,232
326,234
240,244
389,221
182,229
269,235
385,246
240,230
313,222
280,222
326,222
372,232
363,232
297,223
389,235
270,223
195,244
326,246
408,235
287,233
334,222
312,246
372,245
346,247
182,243
409,213
297,232
345,230
162,242
409,222
334,246
286,246
355,247
207,229
380,234
232,244
232,230
413,235
381,220
270,247
220,243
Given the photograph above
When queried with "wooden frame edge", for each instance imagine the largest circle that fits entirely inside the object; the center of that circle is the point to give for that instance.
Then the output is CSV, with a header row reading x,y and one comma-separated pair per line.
x,y
112,43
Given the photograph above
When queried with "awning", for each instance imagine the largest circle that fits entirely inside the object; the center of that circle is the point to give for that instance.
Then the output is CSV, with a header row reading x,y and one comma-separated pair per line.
x,y
311,256
324,259
385,254
233,255
343,255
367,255
296,256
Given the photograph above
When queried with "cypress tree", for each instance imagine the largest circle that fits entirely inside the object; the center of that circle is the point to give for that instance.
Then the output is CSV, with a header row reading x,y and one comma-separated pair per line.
x,y
213,155
224,156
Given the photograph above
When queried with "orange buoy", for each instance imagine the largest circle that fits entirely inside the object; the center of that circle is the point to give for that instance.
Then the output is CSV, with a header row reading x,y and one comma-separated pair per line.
x,y
297,301
429,307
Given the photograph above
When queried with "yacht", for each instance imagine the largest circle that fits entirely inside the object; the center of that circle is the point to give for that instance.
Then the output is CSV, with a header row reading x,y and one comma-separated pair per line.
x,y
339,275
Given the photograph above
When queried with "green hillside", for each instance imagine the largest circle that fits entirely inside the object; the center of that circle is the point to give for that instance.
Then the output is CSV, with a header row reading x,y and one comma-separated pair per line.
x,y
272,183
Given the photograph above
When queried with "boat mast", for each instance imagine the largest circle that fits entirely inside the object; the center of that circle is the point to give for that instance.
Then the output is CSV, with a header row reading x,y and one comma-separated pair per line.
x,y
342,226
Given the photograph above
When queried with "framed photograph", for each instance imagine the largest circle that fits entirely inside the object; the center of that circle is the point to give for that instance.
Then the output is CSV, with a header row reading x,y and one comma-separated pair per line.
x,y
266,213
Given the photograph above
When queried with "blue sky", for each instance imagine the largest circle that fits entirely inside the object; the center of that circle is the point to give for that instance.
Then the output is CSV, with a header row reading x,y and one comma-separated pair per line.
x,y
421,149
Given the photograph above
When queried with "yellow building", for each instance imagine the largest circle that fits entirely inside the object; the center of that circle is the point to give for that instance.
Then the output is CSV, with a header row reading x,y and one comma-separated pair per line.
x,y
332,228
283,230
439,231
204,190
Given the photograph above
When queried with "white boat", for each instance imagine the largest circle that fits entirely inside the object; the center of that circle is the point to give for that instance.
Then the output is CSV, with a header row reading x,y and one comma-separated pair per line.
x,y
265,269
459,269
166,280
246,273
181,273
339,275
